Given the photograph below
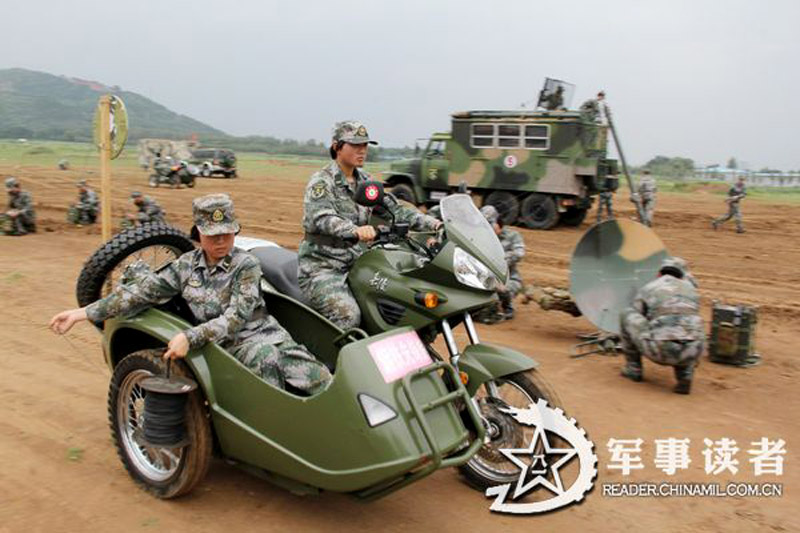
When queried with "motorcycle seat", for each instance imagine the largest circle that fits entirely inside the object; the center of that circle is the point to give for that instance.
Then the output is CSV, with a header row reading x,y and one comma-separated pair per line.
x,y
279,267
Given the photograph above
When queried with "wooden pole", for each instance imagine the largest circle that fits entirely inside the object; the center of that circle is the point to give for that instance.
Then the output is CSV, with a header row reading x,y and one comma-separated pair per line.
x,y
105,166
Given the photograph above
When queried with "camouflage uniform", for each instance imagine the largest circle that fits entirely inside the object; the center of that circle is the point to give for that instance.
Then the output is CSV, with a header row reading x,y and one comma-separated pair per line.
x,y
149,210
735,195
226,301
591,110
647,193
665,326
21,202
331,215
88,205
604,202
514,248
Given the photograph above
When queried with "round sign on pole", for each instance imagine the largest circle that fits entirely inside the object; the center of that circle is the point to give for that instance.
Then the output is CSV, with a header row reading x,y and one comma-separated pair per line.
x,y
118,123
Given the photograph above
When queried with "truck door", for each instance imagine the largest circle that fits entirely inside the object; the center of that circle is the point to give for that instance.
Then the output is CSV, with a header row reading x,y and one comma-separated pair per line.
x,y
435,168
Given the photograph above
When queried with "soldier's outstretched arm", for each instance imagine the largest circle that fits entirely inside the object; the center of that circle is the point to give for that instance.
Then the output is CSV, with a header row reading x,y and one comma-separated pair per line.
x,y
131,298
245,297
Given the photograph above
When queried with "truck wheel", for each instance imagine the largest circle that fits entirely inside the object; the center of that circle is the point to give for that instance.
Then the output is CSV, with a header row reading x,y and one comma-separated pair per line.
x,y
155,243
506,204
538,211
573,216
404,192
164,472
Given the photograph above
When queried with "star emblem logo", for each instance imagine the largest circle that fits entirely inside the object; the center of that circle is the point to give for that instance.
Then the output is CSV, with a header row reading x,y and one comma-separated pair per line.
x,y
535,474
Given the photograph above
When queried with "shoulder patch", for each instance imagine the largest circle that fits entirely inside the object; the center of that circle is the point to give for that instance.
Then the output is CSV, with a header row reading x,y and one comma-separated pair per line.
x,y
318,190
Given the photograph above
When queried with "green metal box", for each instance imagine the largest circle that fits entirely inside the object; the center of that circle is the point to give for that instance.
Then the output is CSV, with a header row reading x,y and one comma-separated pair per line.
x,y
733,333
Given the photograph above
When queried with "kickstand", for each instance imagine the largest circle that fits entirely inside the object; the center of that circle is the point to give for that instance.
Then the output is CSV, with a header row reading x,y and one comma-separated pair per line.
x,y
599,342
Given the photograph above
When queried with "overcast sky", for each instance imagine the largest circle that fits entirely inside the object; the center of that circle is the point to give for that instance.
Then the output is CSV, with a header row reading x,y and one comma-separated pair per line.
x,y
700,79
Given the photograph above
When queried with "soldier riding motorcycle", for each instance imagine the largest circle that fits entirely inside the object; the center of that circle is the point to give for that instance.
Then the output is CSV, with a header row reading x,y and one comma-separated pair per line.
x,y
402,281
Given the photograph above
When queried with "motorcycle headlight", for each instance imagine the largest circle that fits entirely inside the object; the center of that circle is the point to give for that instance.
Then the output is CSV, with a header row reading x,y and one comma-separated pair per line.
x,y
472,272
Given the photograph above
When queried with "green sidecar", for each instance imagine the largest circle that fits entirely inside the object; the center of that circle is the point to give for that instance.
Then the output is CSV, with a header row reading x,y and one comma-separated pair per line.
x,y
391,416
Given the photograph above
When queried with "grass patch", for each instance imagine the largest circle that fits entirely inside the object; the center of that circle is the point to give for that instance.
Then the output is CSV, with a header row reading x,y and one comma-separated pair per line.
x,y
74,454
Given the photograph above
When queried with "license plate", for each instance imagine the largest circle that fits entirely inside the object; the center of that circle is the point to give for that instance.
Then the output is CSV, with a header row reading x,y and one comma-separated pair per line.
x,y
398,355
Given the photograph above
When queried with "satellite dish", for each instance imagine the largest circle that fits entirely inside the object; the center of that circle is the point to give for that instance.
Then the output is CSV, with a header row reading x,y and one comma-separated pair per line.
x,y
611,262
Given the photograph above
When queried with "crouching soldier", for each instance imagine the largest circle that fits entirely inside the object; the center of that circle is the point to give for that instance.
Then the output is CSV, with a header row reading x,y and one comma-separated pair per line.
x,y
514,247
20,218
149,210
85,211
665,326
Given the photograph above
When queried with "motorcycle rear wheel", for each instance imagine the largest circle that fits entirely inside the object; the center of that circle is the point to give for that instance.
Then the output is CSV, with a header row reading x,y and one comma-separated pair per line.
x,y
488,467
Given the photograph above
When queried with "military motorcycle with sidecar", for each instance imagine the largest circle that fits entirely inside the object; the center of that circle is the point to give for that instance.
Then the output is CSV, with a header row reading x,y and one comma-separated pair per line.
x,y
397,409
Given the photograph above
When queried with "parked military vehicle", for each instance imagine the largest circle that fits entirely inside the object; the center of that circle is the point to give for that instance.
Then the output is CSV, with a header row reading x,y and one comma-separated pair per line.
x,y
538,168
213,161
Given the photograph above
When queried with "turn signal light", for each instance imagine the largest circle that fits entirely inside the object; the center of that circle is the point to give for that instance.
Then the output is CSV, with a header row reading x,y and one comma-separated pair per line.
x,y
464,377
428,299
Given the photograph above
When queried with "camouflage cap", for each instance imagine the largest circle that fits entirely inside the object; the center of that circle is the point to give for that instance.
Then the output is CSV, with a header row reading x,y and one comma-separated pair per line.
x,y
213,215
136,194
674,263
490,213
351,132
11,182
81,183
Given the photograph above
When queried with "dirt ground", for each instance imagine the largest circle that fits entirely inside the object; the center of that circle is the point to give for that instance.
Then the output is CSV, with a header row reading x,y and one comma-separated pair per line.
x,y
59,471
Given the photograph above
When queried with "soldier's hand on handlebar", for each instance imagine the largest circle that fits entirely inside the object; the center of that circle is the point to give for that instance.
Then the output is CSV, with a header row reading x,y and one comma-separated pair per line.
x,y
365,233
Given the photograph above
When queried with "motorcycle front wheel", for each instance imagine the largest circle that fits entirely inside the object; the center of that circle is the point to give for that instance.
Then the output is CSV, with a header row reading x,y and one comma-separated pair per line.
x,y
489,467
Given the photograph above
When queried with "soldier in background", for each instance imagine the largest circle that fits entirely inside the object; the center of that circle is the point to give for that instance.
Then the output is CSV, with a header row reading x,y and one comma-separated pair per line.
x,y
591,110
735,195
664,325
148,210
555,100
647,190
20,216
514,247
220,283
606,198
88,204
335,226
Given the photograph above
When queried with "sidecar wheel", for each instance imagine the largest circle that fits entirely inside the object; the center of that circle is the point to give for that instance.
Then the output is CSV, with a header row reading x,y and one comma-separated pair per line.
x,y
165,473
489,467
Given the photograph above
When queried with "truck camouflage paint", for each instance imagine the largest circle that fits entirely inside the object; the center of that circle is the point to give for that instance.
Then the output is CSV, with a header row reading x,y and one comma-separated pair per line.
x,y
537,167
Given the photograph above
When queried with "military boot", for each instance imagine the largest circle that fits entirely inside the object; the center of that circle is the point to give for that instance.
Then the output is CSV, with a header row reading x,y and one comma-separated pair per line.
x,y
633,367
714,225
684,376
507,305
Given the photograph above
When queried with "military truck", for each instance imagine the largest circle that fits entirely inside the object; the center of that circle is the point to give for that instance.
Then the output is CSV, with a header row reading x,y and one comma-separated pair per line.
x,y
538,168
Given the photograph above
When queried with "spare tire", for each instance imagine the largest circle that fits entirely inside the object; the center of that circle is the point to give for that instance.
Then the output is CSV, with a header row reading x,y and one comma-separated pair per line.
x,y
156,243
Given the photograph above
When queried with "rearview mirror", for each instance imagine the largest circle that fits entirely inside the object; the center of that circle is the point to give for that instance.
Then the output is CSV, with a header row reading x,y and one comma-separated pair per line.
x,y
369,193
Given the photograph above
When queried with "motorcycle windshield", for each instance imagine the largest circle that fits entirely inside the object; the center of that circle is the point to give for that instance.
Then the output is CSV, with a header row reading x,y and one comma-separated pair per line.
x,y
467,227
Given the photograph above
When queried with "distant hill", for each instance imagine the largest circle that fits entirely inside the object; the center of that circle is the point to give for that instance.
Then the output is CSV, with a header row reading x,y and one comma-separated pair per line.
x,y
43,106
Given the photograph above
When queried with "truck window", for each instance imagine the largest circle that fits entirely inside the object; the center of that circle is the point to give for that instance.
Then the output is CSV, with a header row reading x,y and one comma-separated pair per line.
x,y
537,137
482,135
436,149
509,136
